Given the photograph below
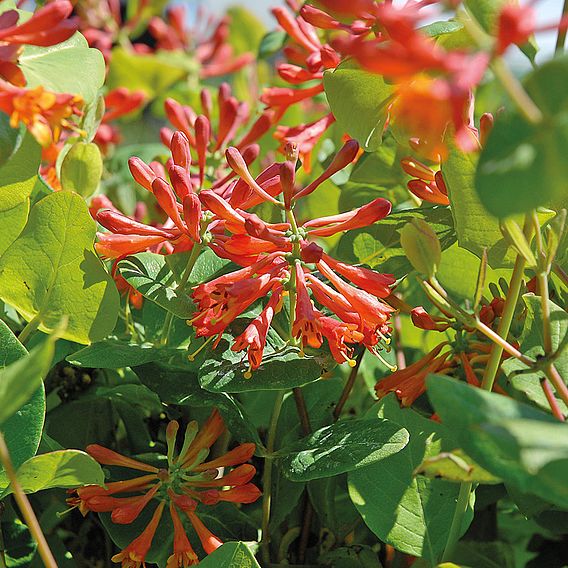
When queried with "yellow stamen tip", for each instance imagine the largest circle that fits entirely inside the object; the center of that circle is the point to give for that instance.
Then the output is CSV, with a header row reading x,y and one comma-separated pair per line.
x,y
191,358
351,362
247,375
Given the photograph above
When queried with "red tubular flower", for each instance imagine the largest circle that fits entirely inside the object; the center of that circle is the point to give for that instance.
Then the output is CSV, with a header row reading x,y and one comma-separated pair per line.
x,y
422,319
135,553
109,457
183,554
428,185
409,383
208,540
253,338
306,325
361,217
379,285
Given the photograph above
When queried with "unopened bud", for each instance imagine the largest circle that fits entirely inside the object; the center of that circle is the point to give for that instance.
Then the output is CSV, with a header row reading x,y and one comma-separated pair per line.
x,y
179,147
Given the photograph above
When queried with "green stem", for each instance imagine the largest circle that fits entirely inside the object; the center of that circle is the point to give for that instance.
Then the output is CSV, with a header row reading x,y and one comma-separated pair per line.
x,y
25,507
30,327
561,37
457,521
195,252
505,323
510,83
267,477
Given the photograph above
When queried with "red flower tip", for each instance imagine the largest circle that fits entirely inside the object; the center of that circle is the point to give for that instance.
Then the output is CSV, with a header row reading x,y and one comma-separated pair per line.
x,y
180,149
142,173
423,320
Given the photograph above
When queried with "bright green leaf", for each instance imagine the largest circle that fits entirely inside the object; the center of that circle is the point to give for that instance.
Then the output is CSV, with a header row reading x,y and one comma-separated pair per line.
x,y
18,175
359,102
68,67
152,276
63,468
455,466
51,271
413,514
341,447
82,169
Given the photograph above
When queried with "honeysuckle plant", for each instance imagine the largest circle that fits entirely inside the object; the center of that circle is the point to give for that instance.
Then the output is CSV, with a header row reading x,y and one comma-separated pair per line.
x,y
289,296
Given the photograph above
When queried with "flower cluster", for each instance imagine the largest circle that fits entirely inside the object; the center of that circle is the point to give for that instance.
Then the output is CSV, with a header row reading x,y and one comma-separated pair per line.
x,y
182,486
284,260
103,25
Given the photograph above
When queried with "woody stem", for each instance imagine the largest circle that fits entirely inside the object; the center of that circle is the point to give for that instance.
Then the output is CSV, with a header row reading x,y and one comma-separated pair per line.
x,y
25,507
348,386
267,477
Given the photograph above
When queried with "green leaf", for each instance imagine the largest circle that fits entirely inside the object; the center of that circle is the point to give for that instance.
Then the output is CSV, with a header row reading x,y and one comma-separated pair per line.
x,y
421,246
175,385
22,431
441,28
271,43
413,514
519,156
455,466
152,276
378,246
231,555
516,442
153,74
475,228
15,392
52,271
115,354
18,175
341,447
68,67
359,102
281,368
82,169
63,468
9,138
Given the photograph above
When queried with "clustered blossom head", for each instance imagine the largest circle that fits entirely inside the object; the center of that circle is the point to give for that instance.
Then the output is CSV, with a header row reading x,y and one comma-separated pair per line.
x,y
307,59
209,140
182,228
282,260
102,24
182,487
470,352
44,113
210,44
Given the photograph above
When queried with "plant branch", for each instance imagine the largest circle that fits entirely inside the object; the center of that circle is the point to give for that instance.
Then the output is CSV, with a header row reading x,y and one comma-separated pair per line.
x,y
25,507
267,477
348,386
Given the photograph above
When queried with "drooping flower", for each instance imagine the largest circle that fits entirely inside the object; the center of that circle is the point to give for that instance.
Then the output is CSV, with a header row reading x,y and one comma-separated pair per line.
x,y
427,184
186,485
